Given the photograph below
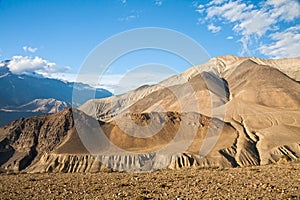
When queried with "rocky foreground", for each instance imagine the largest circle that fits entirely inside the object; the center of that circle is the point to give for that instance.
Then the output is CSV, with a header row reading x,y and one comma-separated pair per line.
x,y
277,181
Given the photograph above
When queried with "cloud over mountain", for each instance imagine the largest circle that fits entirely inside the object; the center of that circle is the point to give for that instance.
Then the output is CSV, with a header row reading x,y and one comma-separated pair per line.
x,y
26,64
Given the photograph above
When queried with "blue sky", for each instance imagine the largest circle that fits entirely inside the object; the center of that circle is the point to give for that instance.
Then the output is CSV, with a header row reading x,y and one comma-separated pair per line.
x,y
60,34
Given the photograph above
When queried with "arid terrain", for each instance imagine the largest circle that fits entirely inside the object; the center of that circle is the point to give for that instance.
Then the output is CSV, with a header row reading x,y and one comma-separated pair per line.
x,y
150,99
226,129
228,112
276,181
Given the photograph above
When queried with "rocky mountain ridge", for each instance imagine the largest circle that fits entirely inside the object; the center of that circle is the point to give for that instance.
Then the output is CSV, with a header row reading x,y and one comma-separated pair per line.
x,y
246,114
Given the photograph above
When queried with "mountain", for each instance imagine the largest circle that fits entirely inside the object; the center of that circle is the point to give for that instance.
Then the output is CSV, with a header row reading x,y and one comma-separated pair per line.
x,y
51,143
33,108
32,94
228,112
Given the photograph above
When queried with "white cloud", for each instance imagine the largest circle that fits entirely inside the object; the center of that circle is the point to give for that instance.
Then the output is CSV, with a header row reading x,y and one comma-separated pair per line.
x,y
134,14
254,23
251,22
246,20
216,2
123,1
284,10
229,37
287,44
26,64
127,18
231,11
200,6
200,9
158,2
29,49
213,28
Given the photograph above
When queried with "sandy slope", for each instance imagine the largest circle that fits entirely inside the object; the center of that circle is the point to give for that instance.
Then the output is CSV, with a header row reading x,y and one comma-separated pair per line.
x,y
252,95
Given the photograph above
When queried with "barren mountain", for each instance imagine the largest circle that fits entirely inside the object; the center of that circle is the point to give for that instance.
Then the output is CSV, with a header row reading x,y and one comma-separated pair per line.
x,y
227,112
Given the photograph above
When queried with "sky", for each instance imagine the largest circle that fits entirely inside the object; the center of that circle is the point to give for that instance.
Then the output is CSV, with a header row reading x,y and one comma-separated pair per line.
x,y
55,37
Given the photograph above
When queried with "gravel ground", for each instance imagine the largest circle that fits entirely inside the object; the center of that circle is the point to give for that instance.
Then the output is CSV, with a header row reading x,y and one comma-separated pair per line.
x,y
280,181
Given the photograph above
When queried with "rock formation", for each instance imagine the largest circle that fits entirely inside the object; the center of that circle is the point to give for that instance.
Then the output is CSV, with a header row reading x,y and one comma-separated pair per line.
x,y
228,112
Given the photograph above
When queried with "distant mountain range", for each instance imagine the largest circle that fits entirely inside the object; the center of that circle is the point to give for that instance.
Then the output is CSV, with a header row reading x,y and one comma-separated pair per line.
x,y
254,104
27,95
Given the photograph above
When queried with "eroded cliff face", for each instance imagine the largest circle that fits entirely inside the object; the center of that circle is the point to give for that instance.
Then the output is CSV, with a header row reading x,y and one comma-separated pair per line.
x,y
27,139
51,143
239,112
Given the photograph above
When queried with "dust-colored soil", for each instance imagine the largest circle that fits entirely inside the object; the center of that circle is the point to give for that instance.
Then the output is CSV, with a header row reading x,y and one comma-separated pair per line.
x,y
280,181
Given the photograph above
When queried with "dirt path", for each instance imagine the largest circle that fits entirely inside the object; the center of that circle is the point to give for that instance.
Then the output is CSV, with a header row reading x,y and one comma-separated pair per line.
x,y
281,181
